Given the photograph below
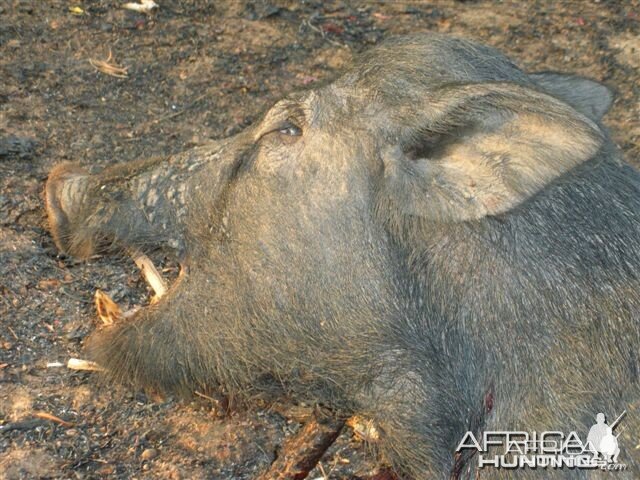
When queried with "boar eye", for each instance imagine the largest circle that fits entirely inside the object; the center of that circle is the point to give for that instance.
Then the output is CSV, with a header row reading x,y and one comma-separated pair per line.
x,y
285,129
290,130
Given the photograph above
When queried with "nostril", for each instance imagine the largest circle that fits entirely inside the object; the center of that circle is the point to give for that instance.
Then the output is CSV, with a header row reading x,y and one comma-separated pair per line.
x,y
65,197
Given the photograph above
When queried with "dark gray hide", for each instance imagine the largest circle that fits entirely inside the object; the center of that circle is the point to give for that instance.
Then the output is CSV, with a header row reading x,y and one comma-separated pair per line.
x,y
436,240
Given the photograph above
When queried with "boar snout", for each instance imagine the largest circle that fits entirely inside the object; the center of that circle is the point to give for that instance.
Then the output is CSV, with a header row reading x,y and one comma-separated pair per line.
x,y
142,204
65,199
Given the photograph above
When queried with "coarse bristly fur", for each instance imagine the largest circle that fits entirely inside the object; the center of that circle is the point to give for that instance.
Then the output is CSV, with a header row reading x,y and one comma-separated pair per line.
x,y
436,240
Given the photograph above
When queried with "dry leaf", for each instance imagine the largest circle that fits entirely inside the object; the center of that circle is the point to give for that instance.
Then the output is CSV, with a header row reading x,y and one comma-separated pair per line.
x,y
364,429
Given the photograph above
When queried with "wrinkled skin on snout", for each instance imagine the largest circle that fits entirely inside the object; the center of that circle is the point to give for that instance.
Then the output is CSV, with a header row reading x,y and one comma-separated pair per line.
x,y
436,240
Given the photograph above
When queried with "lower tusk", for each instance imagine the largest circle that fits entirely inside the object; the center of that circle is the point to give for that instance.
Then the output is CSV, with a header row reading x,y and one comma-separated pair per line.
x,y
109,312
86,365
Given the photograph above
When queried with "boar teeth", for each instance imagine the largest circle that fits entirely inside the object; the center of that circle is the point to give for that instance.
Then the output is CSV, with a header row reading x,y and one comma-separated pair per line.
x,y
109,312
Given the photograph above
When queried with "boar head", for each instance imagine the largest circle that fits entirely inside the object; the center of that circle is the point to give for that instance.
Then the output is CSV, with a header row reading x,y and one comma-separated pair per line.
x,y
372,243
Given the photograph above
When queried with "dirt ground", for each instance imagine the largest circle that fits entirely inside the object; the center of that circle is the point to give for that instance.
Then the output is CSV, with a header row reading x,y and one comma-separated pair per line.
x,y
196,69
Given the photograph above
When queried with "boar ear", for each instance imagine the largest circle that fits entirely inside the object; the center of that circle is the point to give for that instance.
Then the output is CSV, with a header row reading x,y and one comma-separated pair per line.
x,y
589,97
483,149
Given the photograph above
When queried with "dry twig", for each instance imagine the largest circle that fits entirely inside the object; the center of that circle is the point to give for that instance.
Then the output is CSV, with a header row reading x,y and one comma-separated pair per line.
x,y
53,418
145,6
105,66
302,452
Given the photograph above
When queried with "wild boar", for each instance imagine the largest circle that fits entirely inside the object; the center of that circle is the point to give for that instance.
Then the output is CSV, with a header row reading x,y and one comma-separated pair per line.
x,y
436,240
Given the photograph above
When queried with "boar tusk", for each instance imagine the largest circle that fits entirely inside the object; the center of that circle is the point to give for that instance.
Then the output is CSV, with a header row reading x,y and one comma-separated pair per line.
x,y
151,275
78,364
109,312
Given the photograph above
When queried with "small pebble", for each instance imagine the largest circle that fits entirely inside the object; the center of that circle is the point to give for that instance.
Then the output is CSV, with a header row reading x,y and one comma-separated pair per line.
x,y
149,454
